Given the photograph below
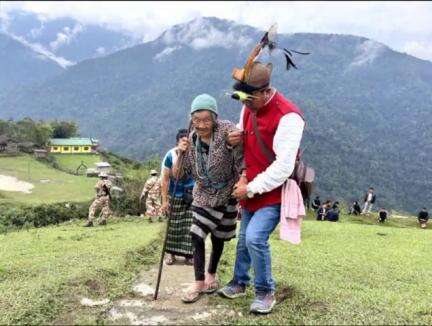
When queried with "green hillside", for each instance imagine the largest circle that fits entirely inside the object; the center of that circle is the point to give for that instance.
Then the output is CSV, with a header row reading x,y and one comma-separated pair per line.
x,y
368,108
71,162
50,185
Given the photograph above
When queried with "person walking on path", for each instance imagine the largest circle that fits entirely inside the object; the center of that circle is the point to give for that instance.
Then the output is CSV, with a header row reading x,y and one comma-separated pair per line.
x,y
102,201
215,167
280,126
179,241
152,192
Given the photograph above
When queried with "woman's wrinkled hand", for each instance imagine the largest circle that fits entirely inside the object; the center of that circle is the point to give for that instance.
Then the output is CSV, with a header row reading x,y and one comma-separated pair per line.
x,y
235,137
240,189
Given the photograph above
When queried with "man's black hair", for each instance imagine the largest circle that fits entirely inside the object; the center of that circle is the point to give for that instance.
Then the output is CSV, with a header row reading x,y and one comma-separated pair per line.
x,y
181,133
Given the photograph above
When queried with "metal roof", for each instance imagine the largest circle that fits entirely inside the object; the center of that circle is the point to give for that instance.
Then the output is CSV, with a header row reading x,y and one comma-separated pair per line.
x,y
102,164
72,142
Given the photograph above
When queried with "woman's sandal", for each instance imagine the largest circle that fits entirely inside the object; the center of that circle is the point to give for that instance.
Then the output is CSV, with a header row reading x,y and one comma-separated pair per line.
x,y
189,261
192,296
212,287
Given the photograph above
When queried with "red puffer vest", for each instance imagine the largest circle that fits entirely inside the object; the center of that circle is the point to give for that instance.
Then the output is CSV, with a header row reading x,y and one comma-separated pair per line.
x,y
268,118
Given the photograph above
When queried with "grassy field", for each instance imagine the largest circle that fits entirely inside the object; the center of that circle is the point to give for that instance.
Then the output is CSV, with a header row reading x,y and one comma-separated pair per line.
x,y
347,273
70,162
44,272
61,186
352,272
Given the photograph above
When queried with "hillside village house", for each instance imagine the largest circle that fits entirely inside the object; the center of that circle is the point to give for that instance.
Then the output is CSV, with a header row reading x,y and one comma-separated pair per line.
x,y
8,146
3,143
73,145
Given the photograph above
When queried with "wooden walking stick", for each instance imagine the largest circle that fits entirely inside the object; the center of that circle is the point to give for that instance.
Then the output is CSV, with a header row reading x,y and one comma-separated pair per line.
x,y
169,221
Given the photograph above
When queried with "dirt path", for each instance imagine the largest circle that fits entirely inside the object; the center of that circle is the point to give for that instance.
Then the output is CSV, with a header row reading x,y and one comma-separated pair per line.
x,y
141,309
8,183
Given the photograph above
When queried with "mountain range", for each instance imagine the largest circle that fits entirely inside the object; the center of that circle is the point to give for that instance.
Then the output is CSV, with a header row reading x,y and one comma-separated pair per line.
x,y
368,108
20,65
66,37
33,48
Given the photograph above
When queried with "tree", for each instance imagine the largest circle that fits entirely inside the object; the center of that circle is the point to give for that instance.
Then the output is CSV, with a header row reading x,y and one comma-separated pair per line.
x,y
64,129
42,134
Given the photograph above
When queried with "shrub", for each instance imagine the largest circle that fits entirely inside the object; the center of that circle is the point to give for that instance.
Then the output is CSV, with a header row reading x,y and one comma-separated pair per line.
x,y
16,217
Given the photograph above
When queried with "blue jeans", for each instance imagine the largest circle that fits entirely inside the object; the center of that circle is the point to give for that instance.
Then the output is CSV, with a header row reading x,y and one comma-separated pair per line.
x,y
253,248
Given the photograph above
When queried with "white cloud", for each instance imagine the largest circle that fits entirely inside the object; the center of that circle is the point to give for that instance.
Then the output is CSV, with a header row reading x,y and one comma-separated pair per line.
x,y
200,34
66,36
101,50
38,48
419,49
165,52
393,23
368,51
36,32
4,20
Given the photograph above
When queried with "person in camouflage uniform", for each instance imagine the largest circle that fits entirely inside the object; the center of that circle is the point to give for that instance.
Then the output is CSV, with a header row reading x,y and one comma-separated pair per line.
x,y
102,201
152,189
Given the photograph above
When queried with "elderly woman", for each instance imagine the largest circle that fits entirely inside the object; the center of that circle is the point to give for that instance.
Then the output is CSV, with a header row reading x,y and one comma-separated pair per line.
x,y
215,167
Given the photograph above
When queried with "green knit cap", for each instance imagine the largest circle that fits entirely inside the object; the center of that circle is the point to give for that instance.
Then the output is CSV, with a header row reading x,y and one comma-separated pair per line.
x,y
204,102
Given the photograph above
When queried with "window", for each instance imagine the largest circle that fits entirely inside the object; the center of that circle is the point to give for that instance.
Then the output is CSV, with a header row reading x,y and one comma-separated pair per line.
x,y
86,148
55,148
76,148
65,148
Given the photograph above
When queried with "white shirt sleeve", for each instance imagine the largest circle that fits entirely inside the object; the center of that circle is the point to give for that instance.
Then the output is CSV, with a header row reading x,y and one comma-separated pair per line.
x,y
239,125
286,143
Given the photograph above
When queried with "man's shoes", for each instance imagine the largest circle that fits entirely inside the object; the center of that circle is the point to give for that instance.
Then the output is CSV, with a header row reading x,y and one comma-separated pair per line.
x,y
103,222
232,290
88,224
263,303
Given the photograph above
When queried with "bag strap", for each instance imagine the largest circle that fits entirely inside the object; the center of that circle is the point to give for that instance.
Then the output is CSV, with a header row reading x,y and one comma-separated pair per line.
x,y
263,147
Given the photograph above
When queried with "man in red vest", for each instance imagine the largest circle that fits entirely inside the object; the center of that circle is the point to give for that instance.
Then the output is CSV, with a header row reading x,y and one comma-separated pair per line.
x,y
271,132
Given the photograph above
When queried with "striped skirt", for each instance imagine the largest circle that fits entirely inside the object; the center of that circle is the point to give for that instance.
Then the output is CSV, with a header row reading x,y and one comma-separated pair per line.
x,y
220,221
179,241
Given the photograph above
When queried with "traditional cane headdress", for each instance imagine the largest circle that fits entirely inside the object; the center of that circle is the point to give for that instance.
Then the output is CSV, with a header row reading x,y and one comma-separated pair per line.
x,y
255,75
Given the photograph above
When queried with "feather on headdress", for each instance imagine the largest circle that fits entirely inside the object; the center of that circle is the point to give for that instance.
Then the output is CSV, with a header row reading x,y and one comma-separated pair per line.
x,y
267,41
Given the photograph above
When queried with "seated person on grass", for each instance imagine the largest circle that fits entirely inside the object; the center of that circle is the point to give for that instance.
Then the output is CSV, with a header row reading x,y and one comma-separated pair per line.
x,y
322,211
316,203
333,213
355,208
423,217
382,215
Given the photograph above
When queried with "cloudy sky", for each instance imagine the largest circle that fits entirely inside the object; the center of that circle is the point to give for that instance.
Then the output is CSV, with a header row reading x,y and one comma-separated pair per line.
x,y
404,26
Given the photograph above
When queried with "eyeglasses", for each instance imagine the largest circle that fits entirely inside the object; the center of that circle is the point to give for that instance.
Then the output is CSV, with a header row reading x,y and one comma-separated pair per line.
x,y
197,121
